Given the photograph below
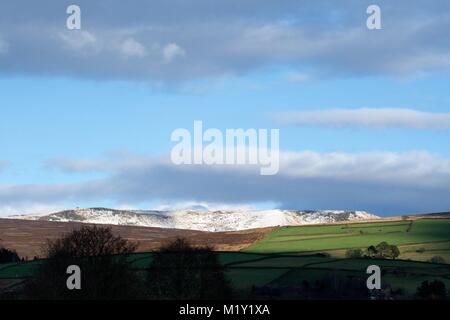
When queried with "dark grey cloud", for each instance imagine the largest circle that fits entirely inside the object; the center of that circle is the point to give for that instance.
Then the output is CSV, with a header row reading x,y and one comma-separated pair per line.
x,y
384,183
183,40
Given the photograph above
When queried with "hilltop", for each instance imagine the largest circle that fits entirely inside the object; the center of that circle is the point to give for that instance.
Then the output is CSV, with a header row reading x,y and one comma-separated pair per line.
x,y
203,220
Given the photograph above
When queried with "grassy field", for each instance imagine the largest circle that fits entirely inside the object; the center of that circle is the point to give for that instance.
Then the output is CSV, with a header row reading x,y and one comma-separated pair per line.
x,y
290,255
418,240
246,270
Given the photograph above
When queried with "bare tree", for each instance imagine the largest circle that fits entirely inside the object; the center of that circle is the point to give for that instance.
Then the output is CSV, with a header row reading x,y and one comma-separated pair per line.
x,y
102,258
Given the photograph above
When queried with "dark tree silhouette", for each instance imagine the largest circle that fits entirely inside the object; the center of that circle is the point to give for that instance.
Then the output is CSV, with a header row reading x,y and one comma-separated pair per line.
x,y
383,250
437,259
7,256
392,252
372,252
181,271
354,253
102,258
333,286
434,290
336,286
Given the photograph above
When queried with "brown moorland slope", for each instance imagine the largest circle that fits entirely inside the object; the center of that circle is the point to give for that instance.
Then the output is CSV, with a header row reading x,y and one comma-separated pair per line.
x,y
28,237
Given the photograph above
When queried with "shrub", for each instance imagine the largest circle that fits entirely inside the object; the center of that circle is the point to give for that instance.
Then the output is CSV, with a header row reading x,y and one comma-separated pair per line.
x,y
437,259
434,290
354,253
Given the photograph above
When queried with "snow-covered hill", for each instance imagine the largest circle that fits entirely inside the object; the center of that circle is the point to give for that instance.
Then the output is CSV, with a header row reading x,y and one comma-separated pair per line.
x,y
202,220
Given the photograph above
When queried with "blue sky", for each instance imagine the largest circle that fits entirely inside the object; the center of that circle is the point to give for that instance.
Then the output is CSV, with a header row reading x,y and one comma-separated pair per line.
x,y
86,116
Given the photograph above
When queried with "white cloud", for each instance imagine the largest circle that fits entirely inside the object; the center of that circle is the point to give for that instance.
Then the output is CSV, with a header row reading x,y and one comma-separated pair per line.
x,y
79,40
172,51
368,117
418,168
133,48
111,162
298,77
78,166
27,208
203,206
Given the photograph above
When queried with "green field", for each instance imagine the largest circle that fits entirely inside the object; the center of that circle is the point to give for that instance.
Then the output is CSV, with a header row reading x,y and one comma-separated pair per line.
x,y
431,235
290,255
247,270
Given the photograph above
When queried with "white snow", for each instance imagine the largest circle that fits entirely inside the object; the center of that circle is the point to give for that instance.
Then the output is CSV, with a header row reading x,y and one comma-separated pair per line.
x,y
215,221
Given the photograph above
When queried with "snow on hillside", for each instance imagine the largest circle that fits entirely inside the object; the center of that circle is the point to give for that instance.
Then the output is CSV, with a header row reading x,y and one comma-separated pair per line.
x,y
202,220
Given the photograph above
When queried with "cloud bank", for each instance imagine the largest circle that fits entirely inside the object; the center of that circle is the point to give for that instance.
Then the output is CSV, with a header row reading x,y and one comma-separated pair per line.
x,y
183,40
368,118
384,183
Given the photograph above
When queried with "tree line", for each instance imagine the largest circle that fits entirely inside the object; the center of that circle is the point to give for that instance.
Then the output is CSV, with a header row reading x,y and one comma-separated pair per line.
x,y
383,250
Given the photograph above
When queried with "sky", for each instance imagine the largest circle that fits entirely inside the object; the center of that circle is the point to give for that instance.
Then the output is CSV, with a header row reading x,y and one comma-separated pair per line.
x,y
86,115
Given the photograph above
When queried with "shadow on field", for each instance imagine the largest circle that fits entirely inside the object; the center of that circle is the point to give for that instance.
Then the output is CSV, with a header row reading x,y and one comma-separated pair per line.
x,y
111,270
182,272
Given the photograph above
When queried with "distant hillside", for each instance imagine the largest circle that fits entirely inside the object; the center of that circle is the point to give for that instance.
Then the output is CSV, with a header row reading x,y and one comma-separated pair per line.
x,y
213,221
432,215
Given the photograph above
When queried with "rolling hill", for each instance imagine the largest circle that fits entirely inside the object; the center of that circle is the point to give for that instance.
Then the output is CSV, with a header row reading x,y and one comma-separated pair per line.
x,y
276,262
418,239
202,220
